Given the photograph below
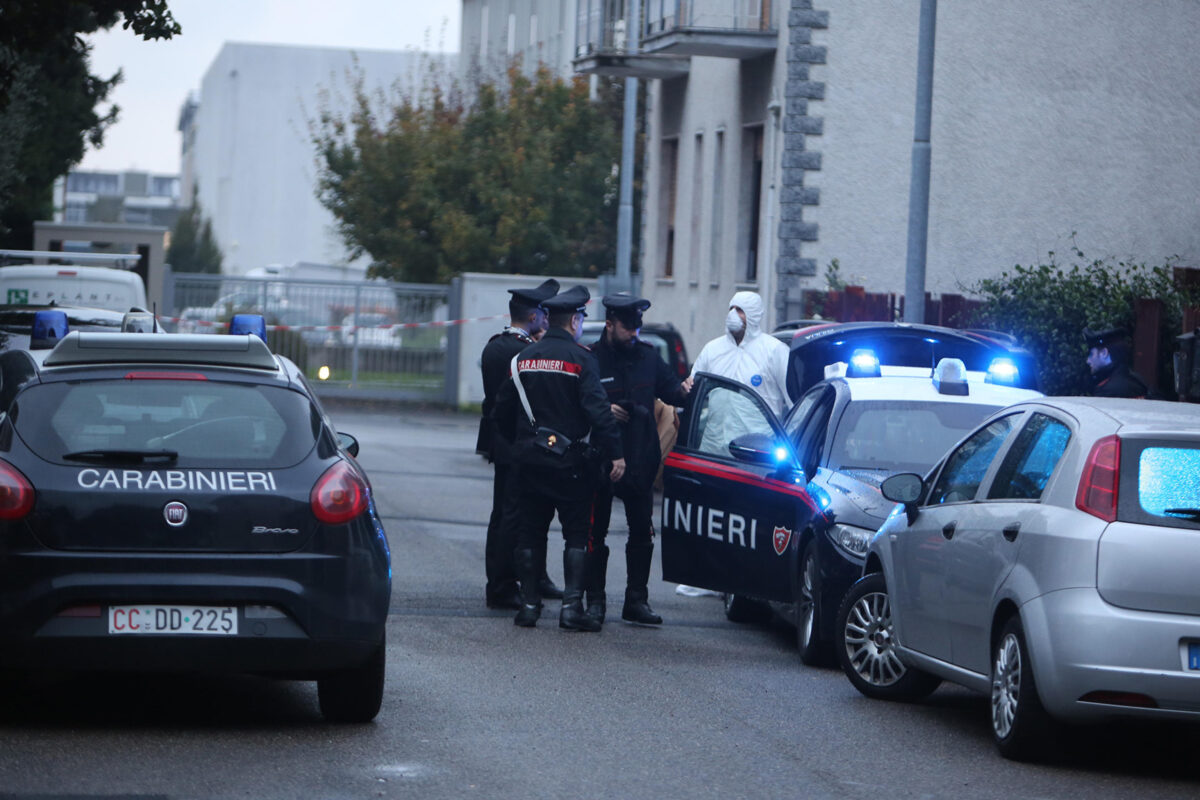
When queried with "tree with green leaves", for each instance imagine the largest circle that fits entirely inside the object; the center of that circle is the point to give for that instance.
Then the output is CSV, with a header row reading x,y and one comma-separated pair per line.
x,y
517,177
1047,307
193,248
49,98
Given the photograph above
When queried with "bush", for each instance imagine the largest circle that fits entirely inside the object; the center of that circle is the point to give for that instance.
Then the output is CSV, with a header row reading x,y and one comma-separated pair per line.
x,y
1047,306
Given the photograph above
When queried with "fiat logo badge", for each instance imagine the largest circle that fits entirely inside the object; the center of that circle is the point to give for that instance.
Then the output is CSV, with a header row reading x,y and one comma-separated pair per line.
x,y
176,513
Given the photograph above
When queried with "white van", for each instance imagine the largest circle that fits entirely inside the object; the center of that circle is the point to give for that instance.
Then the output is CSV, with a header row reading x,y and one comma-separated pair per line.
x,y
69,285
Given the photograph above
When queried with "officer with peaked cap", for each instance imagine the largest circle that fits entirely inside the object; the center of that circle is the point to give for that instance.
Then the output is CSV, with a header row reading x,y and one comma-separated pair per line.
x,y
1108,358
550,409
527,322
633,375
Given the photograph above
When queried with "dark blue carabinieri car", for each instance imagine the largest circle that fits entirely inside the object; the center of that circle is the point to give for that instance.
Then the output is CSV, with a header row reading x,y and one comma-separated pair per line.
x,y
179,502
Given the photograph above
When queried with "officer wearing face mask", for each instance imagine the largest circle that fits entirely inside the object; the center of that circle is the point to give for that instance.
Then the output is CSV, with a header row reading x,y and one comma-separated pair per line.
x,y
633,375
747,355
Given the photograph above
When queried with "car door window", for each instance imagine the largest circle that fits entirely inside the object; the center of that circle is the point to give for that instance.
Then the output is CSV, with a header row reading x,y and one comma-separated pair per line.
x,y
1031,460
967,465
794,424
725,413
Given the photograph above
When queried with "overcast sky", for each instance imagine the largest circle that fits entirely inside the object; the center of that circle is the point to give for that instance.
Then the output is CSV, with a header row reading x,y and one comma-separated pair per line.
x,y
159,74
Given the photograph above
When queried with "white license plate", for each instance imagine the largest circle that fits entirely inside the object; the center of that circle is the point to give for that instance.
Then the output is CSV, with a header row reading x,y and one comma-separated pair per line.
x,y
207,620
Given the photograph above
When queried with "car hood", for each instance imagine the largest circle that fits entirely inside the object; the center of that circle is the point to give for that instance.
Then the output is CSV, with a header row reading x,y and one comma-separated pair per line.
x,y
854,496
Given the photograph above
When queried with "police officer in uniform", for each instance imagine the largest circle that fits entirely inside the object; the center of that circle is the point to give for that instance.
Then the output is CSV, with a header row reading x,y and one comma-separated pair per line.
x,y
633,375
1108,358
563,404
527,321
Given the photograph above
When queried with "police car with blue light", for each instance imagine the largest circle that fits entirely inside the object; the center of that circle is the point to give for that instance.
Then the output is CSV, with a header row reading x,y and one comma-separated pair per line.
x,y
779,512
183,503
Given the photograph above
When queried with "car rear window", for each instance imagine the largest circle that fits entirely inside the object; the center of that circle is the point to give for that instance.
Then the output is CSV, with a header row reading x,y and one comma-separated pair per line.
x,y
208,423
1160,484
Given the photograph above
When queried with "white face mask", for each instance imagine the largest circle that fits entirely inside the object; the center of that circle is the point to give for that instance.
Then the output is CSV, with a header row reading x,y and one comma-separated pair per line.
x,y
733,322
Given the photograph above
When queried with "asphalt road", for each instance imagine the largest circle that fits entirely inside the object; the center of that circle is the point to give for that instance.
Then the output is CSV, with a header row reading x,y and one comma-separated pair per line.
x,y
700,708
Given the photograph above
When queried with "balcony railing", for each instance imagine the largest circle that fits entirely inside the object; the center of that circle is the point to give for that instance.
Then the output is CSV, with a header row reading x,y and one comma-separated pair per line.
x,y
663,16
604,44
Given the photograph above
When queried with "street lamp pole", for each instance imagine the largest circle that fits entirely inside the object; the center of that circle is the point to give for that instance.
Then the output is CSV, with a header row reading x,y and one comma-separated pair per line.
x,y
633,36
922,150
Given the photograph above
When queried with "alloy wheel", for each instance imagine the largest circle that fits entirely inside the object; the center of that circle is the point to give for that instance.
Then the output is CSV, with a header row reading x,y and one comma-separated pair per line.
x,y
1006,685
868,641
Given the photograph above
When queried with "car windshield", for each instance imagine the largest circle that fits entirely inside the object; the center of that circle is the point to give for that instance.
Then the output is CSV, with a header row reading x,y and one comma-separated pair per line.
x,y
899,436
201,423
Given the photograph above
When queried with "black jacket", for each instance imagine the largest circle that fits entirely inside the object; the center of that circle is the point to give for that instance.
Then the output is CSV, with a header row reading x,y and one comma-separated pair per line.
x,y
562,382
632,379
494,363
1117,380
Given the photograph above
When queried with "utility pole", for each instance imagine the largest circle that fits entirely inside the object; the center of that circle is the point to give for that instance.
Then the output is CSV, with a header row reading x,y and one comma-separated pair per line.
x,y
922,151
633,36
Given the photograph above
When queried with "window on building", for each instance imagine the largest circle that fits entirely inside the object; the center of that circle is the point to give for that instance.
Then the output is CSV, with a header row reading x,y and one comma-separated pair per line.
x,y
695,268
512,35
718,211
751,195
483,33
668,184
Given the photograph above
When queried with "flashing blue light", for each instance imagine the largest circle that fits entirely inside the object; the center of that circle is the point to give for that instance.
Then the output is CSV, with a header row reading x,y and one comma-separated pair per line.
x,y
243,324
1002,371
819,496
863,364
781,454
49,327
931,341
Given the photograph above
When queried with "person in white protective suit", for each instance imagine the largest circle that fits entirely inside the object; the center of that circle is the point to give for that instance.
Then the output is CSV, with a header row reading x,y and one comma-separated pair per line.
x,y
747,355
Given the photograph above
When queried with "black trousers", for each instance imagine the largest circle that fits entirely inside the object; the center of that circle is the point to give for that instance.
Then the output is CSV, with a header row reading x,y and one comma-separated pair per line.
x,y
502,533
540,493
639,514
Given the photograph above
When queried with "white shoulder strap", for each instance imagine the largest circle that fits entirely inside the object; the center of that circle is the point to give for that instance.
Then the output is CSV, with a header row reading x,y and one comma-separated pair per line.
x,y
516,377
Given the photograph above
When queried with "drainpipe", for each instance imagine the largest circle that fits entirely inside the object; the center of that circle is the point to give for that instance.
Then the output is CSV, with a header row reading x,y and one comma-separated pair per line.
x,y
633,35
922,151
766,270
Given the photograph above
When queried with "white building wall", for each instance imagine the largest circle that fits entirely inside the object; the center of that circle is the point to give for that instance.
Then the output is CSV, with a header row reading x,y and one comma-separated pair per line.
x,y
254,163
540,32
1077,116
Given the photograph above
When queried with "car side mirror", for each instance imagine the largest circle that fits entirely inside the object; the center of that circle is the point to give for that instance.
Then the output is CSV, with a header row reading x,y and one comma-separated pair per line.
x,y
905,488
348,443
756,448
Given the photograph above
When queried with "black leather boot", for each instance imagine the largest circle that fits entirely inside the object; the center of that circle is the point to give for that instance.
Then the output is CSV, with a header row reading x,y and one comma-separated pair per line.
x,y
531,601
597,573
546,587
637,606
572,616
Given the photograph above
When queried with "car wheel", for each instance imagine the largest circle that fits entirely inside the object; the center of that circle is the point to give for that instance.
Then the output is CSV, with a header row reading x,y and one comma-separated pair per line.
x,y
1022,729
867,649
814,651
354,694
743,609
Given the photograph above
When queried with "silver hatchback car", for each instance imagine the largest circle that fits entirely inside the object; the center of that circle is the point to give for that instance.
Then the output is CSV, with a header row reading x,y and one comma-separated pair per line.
x,y
1050,559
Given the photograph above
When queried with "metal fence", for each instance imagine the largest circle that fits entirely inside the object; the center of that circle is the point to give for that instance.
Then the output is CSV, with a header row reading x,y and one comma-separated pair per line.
x,y
368,339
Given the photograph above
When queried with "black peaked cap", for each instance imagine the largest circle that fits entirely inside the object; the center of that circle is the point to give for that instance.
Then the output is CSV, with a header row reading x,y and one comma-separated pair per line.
x,y
625,308
537,295
574,299
1105,337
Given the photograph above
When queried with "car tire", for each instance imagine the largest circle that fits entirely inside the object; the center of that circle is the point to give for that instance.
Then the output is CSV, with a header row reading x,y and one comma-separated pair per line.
x,y
741,609
1021,727
814,650
354,694
866,647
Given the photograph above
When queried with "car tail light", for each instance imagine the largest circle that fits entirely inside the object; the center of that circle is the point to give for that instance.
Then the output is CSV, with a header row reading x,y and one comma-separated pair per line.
x,y
339,495
16,493
1097,493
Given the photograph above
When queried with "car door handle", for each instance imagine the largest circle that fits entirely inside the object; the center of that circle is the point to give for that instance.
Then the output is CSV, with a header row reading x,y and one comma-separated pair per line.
x,y
948,529
1011,531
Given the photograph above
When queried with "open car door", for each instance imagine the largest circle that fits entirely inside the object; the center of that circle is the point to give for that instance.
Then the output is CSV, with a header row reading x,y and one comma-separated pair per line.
x,y
734,499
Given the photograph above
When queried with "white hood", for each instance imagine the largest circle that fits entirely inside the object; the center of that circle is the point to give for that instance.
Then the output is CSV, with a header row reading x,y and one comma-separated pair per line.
x,y
759,361
752,305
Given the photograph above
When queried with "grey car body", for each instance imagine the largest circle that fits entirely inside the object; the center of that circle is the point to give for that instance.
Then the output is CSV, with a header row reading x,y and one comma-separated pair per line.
x,y
1010,532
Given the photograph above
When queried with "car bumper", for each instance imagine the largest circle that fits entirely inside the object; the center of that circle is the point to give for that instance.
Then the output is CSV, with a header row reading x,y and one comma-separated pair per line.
x,y
1080,644
327,612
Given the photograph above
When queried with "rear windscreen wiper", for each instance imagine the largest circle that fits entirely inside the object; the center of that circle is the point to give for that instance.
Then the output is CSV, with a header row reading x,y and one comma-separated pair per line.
x,y
1191,513
122,456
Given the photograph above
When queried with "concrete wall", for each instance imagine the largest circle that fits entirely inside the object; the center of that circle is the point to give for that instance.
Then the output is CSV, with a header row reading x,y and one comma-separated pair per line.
x,y
542,31
254,162
1048,118
486,295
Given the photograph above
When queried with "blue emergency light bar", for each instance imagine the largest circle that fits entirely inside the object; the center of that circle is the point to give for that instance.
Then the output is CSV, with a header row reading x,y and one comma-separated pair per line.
x,y
49,327
863,364
243,324
1002,371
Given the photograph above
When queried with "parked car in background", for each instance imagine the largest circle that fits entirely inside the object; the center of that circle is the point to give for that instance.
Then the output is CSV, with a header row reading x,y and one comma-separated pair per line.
x,y
664,336
70,285
900,344
371,330
1048,560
